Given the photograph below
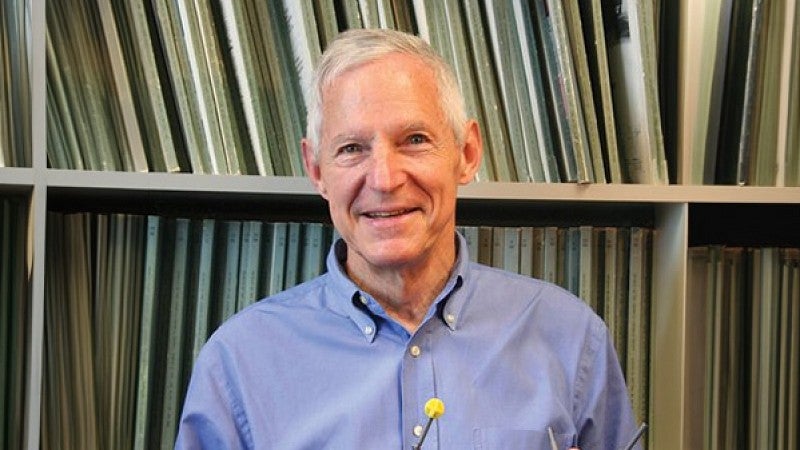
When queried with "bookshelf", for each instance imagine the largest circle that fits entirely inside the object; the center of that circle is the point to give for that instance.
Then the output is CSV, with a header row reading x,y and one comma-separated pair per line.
x,y
681,214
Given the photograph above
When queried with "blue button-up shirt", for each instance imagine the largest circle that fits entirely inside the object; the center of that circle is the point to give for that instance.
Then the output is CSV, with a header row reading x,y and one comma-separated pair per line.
x,y
322,366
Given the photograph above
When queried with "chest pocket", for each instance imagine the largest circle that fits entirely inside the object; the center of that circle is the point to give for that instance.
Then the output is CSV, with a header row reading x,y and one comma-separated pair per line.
x,y
514,439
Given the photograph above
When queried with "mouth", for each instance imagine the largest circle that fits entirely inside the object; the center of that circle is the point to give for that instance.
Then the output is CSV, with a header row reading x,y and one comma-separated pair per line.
x,y
388,214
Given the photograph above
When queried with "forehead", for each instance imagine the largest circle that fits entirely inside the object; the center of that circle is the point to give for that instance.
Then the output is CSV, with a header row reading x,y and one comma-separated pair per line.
x,y
396,87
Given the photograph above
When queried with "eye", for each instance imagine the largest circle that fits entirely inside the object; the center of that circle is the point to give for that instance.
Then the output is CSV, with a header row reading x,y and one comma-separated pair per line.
x,y
349,149
417,139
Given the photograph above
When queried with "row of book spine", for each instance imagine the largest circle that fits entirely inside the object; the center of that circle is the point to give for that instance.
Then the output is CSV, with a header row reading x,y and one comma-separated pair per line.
x,y
131,299
750,301
743,92
14,320
129,302
15,102
565,92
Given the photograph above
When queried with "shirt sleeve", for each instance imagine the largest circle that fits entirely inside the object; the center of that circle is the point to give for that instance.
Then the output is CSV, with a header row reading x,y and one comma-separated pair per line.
x,y
604,413
212,417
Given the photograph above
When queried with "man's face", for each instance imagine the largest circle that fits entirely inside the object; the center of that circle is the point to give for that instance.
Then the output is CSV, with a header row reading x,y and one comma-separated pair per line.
x,y
389,165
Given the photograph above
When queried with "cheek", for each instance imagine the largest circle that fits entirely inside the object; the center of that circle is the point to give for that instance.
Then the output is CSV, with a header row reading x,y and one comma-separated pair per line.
x,y
339,194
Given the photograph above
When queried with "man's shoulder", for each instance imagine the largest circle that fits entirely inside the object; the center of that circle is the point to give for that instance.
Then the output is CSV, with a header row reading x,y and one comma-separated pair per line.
x,y
517,285
278,311
536,296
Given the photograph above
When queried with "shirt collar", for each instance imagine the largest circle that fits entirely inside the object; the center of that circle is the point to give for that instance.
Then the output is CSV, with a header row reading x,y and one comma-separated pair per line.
x,y
349,300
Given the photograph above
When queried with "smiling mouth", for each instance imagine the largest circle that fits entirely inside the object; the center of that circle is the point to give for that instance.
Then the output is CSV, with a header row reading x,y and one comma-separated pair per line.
x,y
387,214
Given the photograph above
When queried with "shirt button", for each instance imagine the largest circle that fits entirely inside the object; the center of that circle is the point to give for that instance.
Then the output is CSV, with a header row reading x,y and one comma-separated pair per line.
x,y
415,351
368,330
418,430
450,318
362,299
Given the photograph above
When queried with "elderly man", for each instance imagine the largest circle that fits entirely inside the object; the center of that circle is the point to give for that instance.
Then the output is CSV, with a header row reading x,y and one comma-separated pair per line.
x,y
349,359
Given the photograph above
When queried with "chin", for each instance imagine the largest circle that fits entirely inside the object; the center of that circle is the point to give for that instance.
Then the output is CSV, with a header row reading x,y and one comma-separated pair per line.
x,y
390,256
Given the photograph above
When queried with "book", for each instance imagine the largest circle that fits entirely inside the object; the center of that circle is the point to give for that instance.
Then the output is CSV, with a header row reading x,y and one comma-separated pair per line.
x,y
502,33
304,34
728,147
638,332
255,101
597,58
454,43
511,250
133,153
173,43
368,10
783,345
716,36
697,283
763,393
14,317
569,84
485,245
556,96
291,112
351,13
598,276
533,68
537,247
788,155
156,121
587,266
578,47
470,234
498,247
314,248
176,333
550,266
496,164
277,257
570,279
292,262
229,268
205,275
15,101
631,58
526,251
327,24
63,132
154,251
5,310
249,263
69,386
749,90
81,61
793,328
765,159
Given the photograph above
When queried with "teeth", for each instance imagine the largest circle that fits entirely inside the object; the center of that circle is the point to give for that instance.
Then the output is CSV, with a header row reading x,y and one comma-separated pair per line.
x,y
386,214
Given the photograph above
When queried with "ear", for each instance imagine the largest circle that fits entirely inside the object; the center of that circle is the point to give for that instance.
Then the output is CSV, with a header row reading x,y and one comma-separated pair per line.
x,y
312,167
471,153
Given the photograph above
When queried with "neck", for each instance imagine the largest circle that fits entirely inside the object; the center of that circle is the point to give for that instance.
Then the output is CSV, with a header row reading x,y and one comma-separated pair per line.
x,y
406,294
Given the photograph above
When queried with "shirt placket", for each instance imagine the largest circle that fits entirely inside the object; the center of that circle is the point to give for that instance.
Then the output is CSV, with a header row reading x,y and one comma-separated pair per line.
x,y
418,386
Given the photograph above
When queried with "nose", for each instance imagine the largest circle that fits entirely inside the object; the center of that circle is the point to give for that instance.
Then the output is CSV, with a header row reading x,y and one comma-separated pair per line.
x,y
386,172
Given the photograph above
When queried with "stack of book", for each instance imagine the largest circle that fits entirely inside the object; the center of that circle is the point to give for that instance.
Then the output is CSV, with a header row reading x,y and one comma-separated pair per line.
x,y
564,92
750,298
14,320
202,87
15,95
129,302
742,92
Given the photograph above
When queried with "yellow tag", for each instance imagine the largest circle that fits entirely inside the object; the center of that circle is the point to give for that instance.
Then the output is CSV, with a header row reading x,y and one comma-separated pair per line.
x,y
434,408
